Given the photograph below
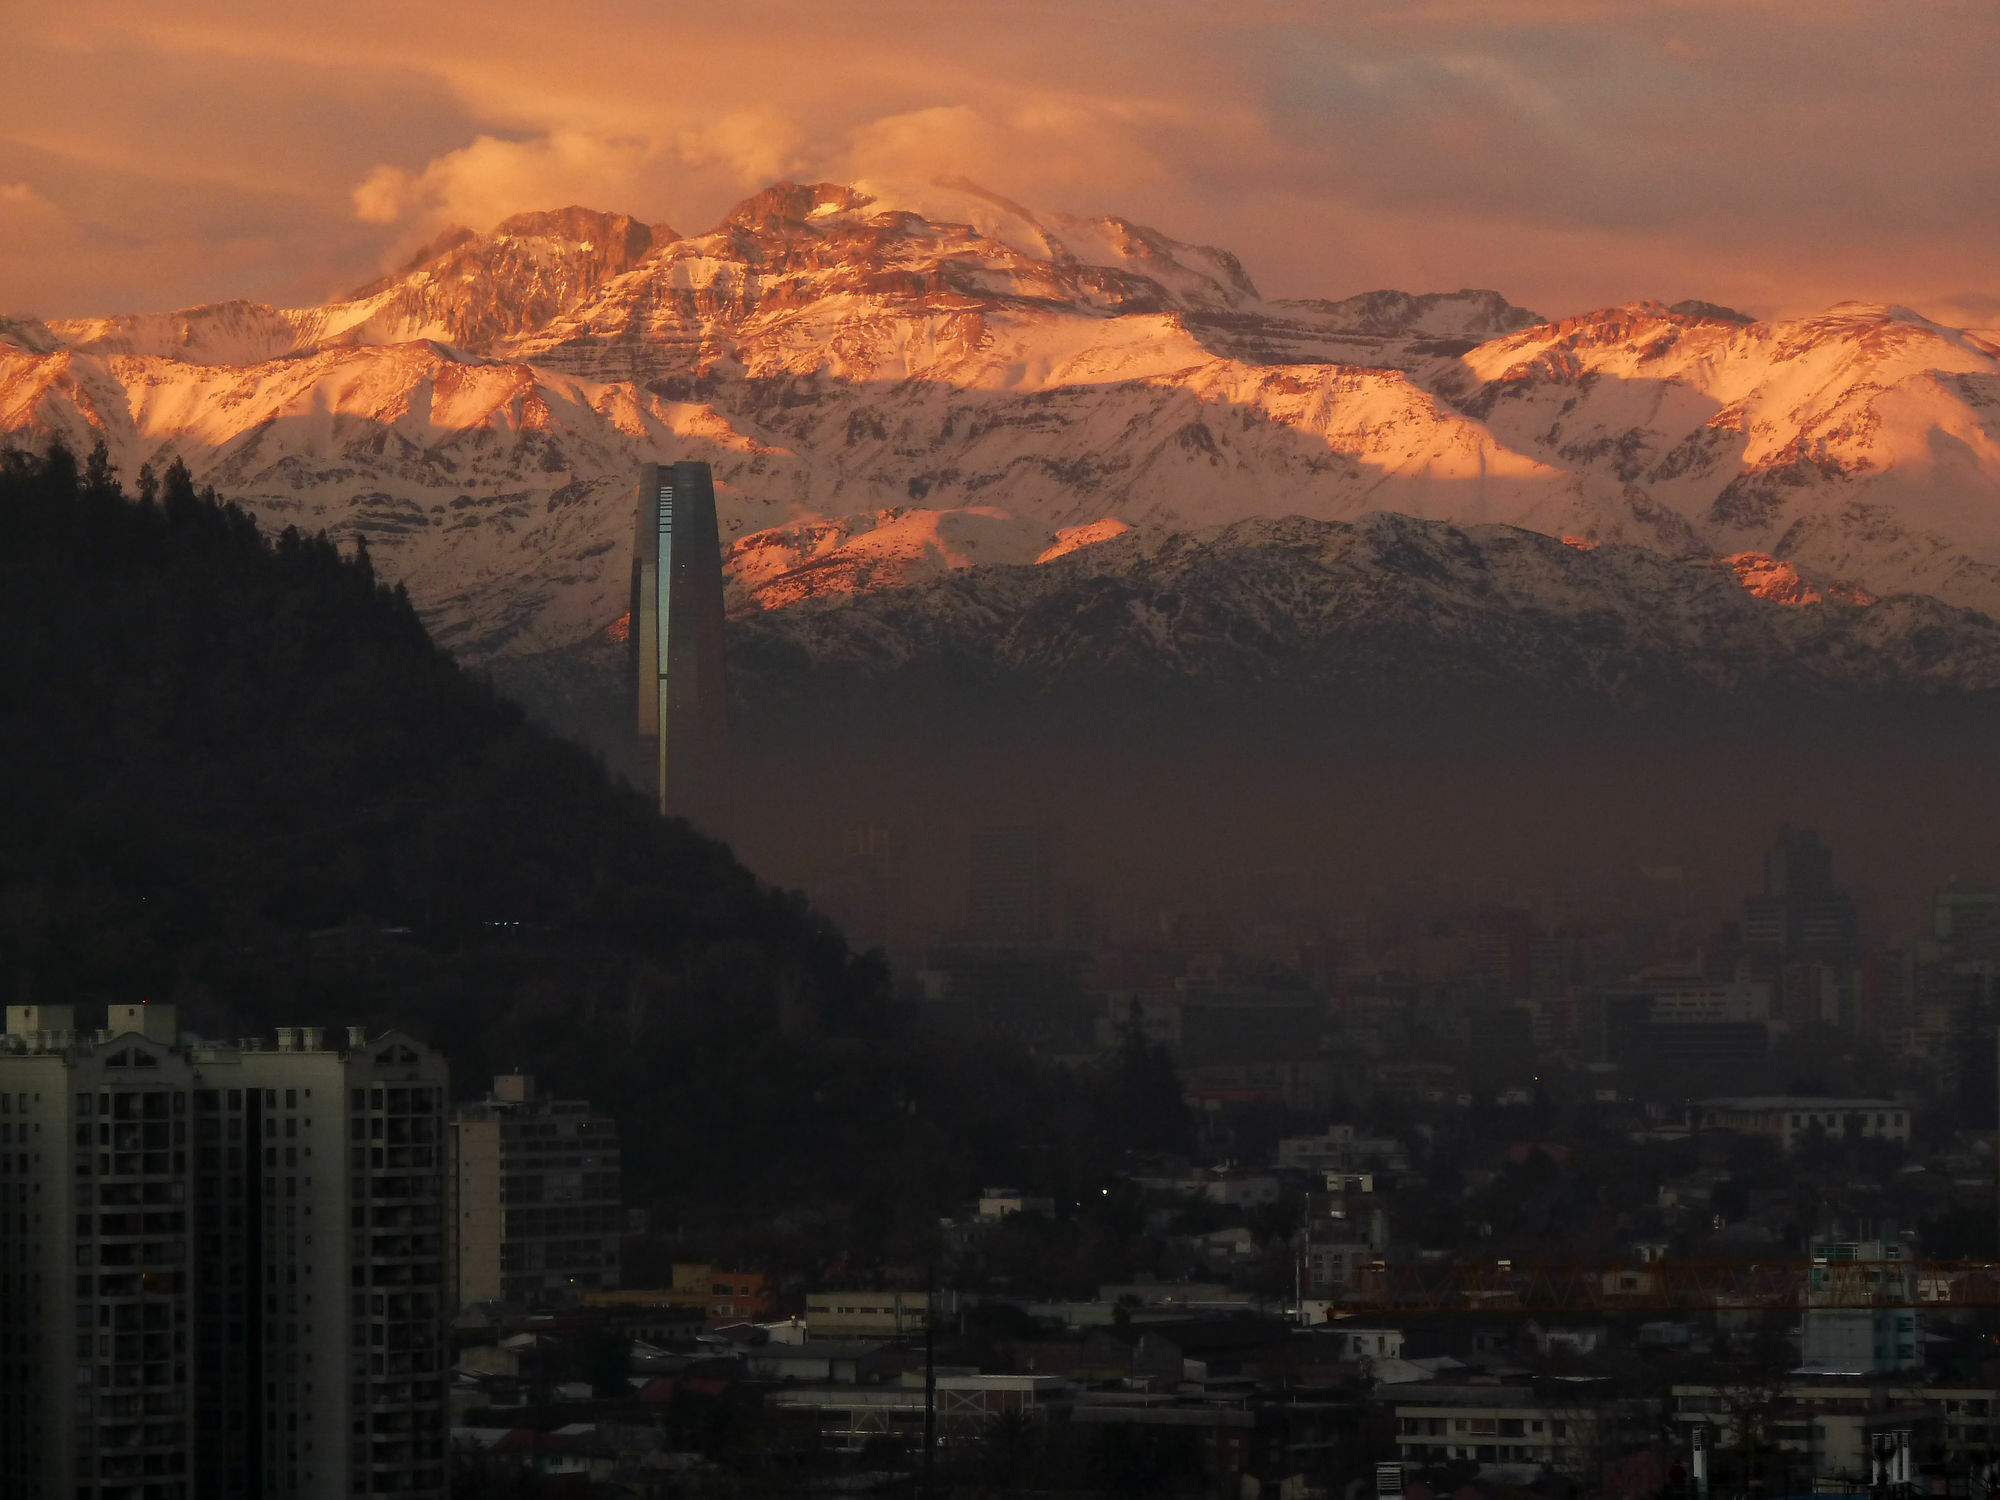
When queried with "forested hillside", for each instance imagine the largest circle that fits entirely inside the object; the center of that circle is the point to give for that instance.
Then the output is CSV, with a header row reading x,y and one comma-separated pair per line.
x,y
237,774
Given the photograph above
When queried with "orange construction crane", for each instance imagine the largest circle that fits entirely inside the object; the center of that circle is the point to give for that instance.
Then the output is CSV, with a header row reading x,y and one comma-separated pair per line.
x,y
1682,1286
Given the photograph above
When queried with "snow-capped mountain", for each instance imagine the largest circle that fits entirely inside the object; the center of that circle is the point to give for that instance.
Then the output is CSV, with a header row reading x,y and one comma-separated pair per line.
x,y
897,384
1381,607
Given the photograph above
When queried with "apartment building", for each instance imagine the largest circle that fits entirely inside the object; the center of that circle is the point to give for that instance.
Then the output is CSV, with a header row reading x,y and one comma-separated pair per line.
x,y
1568,1430
541,1210
225,1264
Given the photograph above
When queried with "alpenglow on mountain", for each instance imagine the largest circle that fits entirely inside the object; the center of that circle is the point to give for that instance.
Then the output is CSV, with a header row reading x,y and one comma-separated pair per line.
x,y
1386,609
891,384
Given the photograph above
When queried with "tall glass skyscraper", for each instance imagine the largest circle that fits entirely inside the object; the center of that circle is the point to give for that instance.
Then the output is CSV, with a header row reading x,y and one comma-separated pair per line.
x,y
676,640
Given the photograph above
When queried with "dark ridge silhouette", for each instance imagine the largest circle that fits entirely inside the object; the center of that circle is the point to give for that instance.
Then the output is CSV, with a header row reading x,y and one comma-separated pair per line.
x,y
236,773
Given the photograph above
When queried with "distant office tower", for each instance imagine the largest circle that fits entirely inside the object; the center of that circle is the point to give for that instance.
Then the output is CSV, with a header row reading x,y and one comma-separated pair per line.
x,y
1965,918
224,1265
1801,910
1011,897
858,887
541,1204
676,640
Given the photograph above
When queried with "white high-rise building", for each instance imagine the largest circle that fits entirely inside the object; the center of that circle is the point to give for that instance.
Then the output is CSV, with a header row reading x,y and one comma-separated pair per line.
x,y
223,1268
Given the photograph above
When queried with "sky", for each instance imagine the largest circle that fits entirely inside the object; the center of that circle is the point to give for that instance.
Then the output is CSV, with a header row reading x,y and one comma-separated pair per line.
x,y
1776,156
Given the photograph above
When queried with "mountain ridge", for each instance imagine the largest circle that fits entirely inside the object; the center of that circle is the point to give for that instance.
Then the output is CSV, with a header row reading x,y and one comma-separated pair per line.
x,y
896,382
1391,605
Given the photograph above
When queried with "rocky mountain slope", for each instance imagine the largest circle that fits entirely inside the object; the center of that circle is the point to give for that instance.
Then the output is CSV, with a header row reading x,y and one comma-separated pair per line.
x,y
1383,605
894,384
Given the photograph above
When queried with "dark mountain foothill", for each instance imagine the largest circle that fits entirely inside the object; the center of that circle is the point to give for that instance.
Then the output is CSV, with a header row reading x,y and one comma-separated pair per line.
x,y
236,773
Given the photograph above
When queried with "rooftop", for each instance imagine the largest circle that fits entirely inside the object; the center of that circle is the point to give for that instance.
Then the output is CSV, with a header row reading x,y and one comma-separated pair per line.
x,y
1759,1103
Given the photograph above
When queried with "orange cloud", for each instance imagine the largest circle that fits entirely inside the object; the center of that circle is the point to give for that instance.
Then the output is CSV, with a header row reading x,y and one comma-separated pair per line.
x,y
1775,153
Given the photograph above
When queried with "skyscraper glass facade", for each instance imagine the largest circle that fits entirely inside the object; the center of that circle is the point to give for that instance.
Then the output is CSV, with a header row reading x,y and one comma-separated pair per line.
x,y
676,640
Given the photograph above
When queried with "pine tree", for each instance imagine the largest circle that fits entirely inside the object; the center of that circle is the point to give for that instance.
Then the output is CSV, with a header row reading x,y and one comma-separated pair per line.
x,y
98,475
177,491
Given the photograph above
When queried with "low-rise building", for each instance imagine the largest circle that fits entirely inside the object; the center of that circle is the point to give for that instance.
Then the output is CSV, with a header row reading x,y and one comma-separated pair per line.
x,y
1340,1149
1789,1119
823,1361
862,1315
1000,1202
1569,1427
1230,1187
1357,1341
844,1418
1830,1424
1221,1435
698,1291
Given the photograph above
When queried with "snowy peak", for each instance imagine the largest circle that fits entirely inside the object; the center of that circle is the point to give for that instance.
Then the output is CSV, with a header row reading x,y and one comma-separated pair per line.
x,y
475,291
1775,579
1001,229
593,242
953,236
830,561
217,333
1694,307
898,385
1470,314
471,291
